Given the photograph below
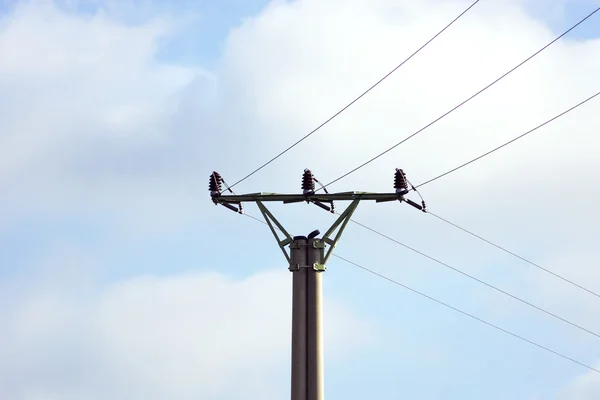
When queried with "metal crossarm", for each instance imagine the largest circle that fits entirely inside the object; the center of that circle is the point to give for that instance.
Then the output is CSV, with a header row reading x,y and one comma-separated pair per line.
x,y
293,198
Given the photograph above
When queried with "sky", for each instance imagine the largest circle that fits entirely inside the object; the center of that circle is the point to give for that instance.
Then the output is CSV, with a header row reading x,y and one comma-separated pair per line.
x,y
120,279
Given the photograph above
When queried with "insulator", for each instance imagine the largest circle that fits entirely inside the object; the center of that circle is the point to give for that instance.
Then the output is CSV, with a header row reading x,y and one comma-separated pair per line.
x,y
323,206
415,205
308,181
400,183
215,183
232,208
424,205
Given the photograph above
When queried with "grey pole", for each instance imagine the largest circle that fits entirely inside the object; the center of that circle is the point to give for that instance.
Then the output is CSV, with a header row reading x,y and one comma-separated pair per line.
x,y
307,329
314,323
307,259
298,266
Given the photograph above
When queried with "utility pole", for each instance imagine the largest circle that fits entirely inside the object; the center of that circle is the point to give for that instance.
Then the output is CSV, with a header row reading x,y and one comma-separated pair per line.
x,y
307,258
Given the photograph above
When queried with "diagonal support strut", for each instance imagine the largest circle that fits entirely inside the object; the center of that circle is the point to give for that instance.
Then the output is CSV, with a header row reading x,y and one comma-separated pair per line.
x,y
339,225
270,219
341,222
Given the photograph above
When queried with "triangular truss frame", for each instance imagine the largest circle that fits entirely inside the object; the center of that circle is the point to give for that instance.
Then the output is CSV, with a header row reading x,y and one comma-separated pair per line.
x,y
336,229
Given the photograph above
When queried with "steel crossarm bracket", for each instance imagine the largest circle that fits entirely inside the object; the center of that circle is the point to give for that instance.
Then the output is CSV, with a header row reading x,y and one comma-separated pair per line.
x,y
270,219
322,197
341,222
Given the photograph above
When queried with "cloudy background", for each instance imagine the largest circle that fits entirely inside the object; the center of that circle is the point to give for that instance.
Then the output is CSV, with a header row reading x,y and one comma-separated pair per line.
x,y
119,279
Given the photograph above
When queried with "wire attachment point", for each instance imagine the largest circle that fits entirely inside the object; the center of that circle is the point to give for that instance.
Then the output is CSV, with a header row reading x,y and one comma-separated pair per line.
x,y
414,204
215,186
401,184
308,189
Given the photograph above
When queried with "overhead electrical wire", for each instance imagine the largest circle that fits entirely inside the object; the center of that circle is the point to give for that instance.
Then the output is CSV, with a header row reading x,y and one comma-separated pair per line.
x,y
510,141
490,242
469,315
464,101
481,238
429,257
506,331
519,299
357,98
553,315
490,152
504,249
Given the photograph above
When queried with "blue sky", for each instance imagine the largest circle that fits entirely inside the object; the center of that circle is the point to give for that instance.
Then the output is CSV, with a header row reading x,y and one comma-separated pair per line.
x,y
117,112
565,15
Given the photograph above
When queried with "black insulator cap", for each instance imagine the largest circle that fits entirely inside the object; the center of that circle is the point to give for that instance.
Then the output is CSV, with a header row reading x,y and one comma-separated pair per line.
x,y
400,180
215,182
308,181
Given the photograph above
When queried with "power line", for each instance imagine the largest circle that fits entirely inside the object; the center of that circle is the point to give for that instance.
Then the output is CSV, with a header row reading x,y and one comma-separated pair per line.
x,y
510,141
553,315
514,254
259,220
464,101
357,98
478,280
455,309
469,315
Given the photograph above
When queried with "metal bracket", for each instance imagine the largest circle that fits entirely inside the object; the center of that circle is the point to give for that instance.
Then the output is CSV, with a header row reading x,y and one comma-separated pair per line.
x,y
272,220
343,220
319,244
339,225
319,267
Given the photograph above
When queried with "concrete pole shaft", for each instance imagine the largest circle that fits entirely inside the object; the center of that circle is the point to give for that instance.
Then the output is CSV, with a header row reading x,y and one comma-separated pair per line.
x,y
298,256
307,326
314,335
299,369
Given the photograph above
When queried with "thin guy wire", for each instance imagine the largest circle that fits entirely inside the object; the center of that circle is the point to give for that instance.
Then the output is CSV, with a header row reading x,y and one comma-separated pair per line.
x,y
515,255
456,309
478,280
510,141
464,101
359,97
469,315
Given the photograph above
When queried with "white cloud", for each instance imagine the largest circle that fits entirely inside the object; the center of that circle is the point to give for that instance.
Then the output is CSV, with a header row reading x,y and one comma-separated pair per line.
x,y
184,336
104,135
96,126
295,79
81,97
79,73
584,387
